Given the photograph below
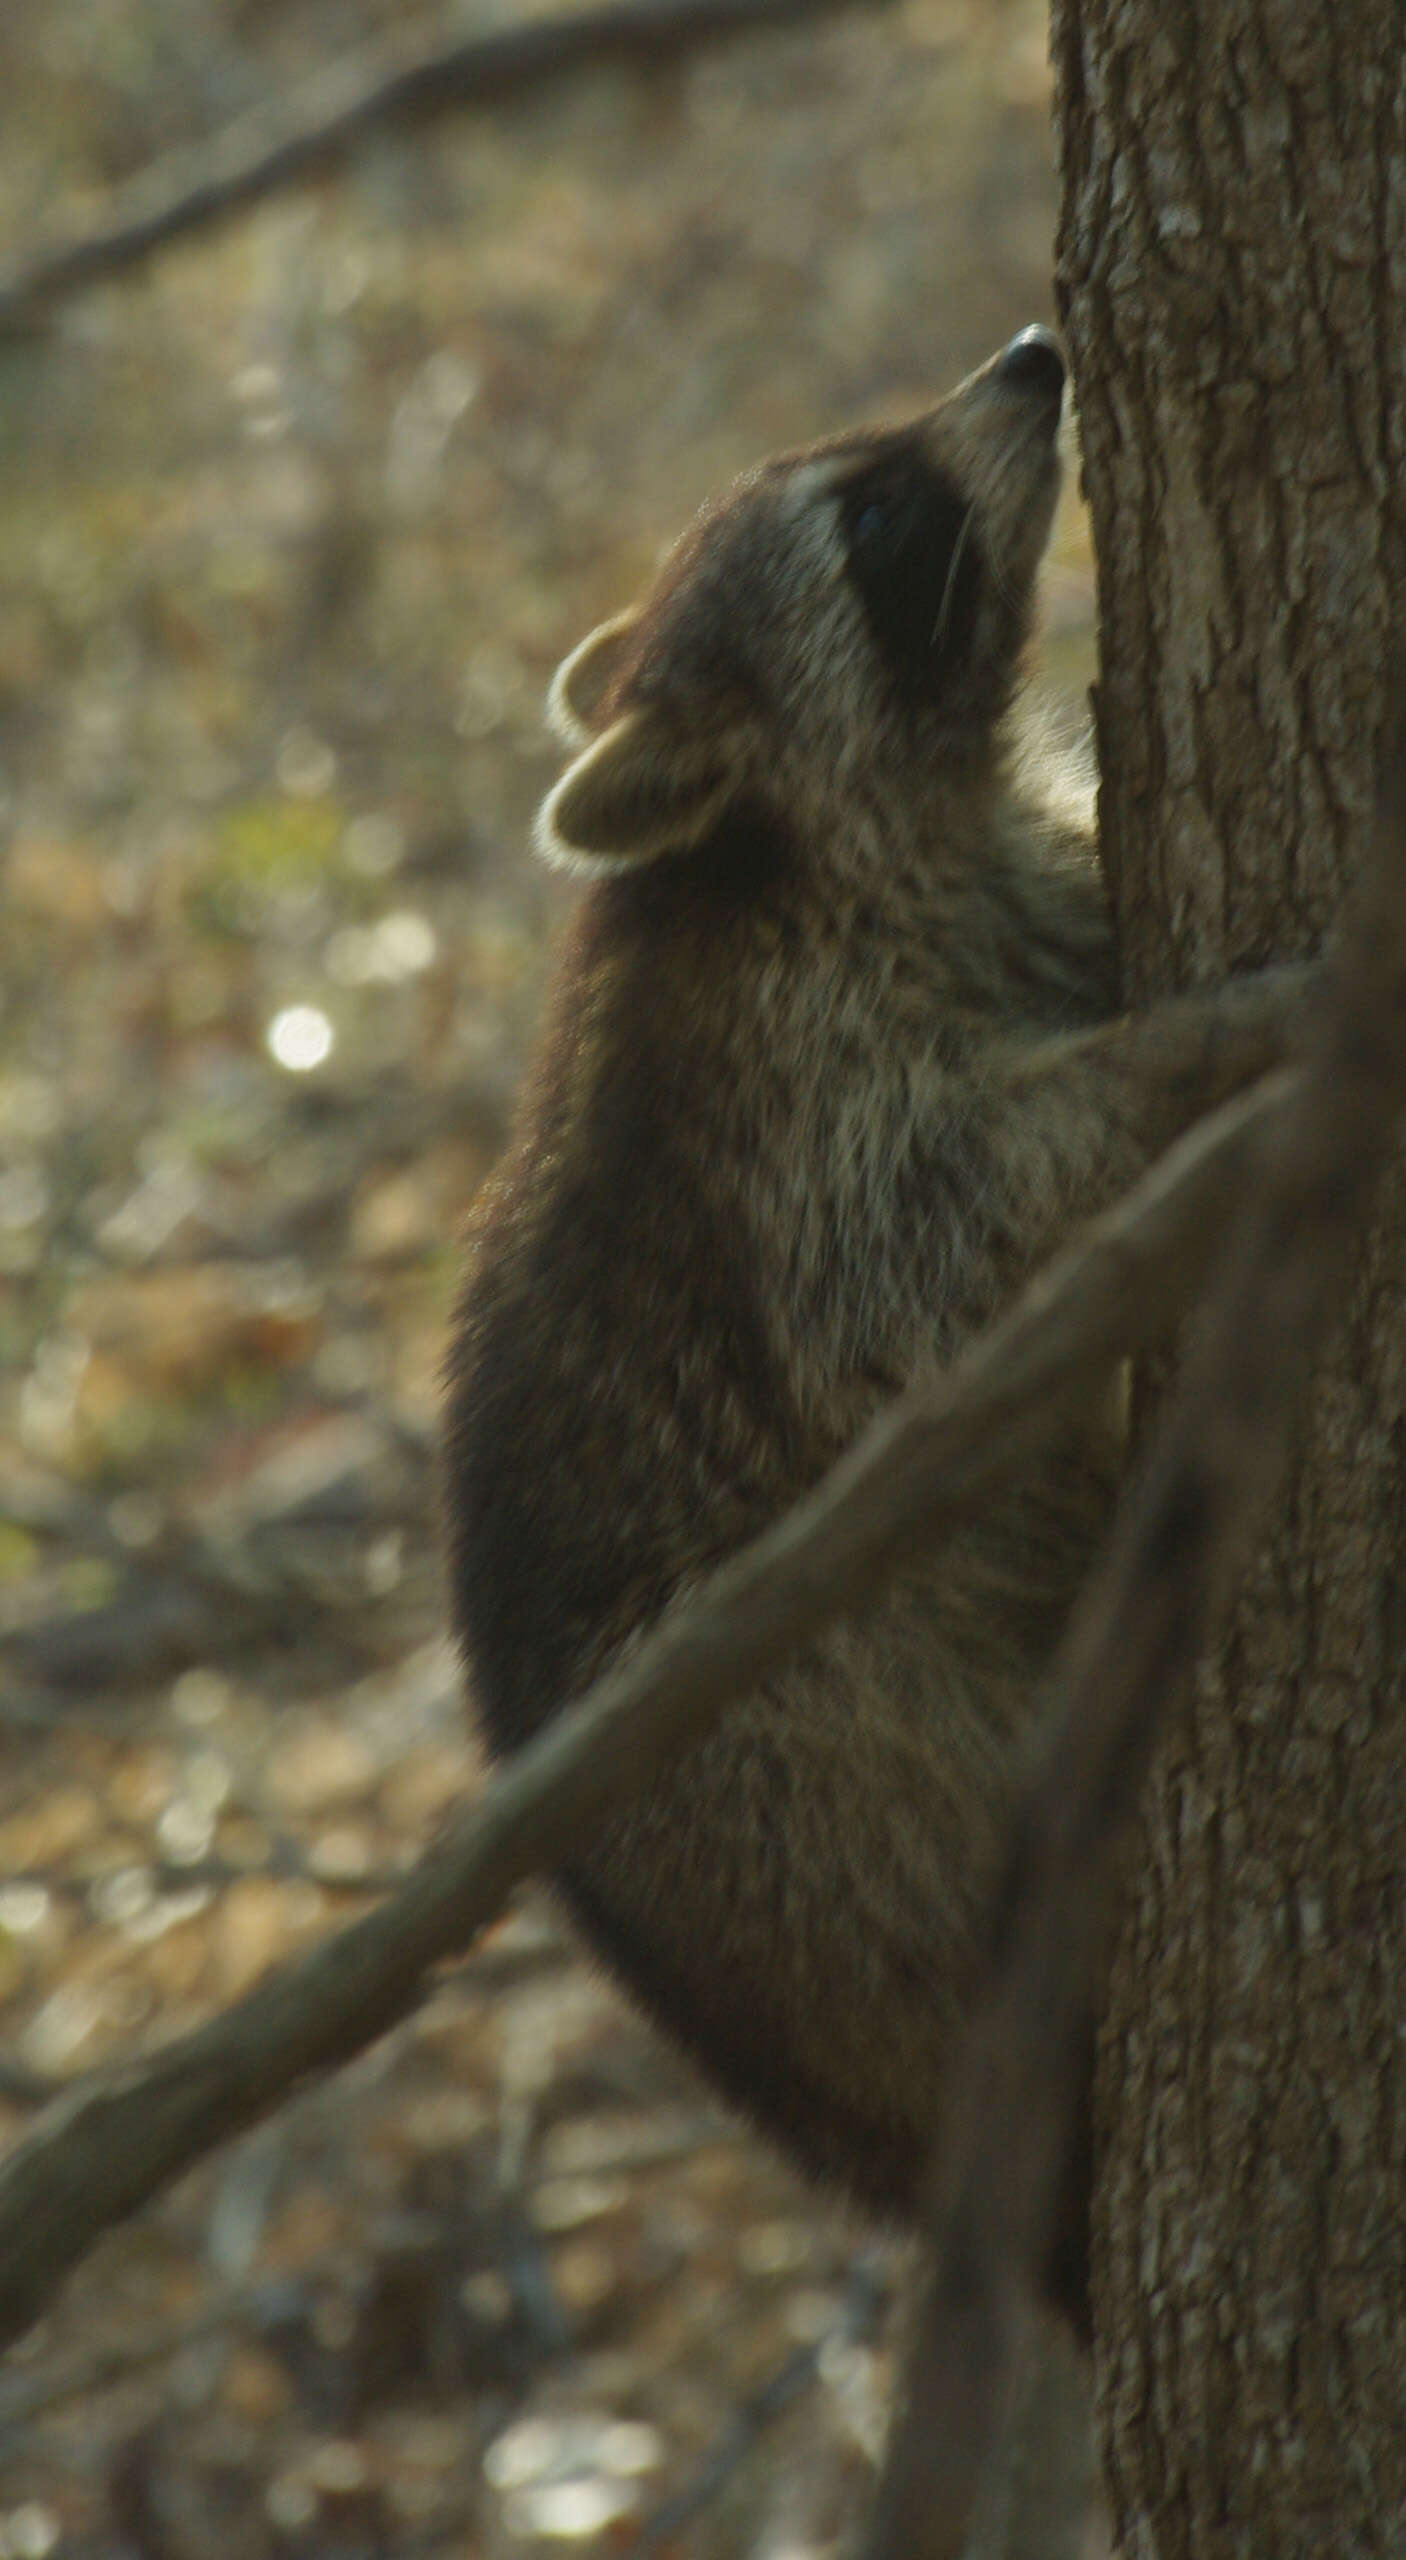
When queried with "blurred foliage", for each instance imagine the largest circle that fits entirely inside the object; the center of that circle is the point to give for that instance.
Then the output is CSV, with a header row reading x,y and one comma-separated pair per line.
x,y
293,528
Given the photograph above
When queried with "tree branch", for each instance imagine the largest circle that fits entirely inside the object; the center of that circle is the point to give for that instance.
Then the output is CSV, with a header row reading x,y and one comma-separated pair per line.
x,y
113,2142
277,148
1166,1588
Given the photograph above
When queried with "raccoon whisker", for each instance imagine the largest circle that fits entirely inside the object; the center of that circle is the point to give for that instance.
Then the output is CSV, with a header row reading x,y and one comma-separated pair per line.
x,y
997,569
1003,583
949,583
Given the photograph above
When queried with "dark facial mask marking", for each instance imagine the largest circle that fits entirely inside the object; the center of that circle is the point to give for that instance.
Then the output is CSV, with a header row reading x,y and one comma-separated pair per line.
x,y
915,559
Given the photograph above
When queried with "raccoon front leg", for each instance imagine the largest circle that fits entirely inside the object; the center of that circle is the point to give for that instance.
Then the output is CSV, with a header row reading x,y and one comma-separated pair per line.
x,y
1065,1127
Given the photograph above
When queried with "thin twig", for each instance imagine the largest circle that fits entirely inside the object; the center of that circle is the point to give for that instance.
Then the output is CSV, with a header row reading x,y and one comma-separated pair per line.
x,y
118,2139
1182,1541
280,147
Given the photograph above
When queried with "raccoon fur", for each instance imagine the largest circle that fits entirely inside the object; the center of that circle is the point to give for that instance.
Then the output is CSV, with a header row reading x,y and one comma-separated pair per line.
x,y
832,1063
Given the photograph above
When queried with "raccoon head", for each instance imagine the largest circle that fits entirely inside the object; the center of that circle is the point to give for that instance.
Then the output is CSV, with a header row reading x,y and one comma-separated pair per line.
x,y
840,618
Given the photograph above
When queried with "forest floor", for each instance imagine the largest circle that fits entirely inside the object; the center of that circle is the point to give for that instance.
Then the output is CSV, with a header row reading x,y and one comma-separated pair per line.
x,y
294,526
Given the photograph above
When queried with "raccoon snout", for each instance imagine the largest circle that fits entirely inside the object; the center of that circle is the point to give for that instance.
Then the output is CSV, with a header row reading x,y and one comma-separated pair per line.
x,y
1033,363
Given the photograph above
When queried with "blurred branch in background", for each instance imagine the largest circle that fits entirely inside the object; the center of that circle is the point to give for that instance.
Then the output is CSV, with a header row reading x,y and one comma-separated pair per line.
x,y
1181,1544
114,2142
369,92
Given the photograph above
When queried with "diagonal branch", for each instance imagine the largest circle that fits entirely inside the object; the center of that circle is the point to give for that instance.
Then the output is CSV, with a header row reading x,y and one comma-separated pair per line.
x,y
1167,1586
280,147
106,2148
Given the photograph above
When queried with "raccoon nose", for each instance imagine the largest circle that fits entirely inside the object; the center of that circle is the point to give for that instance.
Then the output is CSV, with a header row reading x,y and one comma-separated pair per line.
x,y
1033,362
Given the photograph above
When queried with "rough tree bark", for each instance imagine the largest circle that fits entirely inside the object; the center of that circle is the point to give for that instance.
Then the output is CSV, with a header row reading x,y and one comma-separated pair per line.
x,y
1232,276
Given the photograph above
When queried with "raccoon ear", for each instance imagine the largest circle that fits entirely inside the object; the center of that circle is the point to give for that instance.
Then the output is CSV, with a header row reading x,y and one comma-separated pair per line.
x,y
644,788
579,686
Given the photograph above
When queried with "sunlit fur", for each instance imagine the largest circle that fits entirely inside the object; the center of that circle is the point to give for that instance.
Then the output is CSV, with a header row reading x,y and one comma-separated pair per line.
x,y
815,1093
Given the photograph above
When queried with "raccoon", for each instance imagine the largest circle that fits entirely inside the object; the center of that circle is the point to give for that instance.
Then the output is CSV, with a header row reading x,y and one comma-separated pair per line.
x,y
832,1063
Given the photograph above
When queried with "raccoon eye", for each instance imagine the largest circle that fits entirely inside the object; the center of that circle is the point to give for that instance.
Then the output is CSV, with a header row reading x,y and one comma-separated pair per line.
x,y
871,522
878,519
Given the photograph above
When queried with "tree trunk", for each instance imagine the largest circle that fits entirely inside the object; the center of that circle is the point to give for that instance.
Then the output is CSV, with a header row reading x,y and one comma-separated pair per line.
x,y
1232,274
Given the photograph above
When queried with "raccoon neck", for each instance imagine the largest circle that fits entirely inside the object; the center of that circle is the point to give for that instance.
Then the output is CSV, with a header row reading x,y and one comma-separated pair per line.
x,y
994,875
1035,936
